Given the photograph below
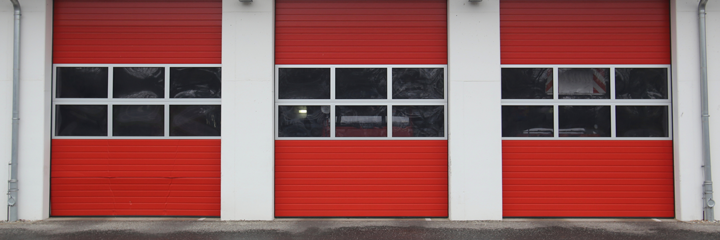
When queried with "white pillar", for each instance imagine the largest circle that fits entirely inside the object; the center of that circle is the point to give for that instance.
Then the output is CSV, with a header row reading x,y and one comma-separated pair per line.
x,y
713,46
475,158
687,129
6,82
247,191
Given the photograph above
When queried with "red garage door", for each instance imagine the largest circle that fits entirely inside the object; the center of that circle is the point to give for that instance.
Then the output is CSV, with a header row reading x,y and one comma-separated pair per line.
x,y
133,80
586,108
376,144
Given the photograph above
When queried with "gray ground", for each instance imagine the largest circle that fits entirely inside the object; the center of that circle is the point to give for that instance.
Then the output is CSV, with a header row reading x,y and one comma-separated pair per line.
x,y
346,229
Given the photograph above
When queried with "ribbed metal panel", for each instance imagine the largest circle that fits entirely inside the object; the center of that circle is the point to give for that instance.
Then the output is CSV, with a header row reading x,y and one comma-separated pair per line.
x,y
361,32
588,178
361,178
585,31
135,177
122,31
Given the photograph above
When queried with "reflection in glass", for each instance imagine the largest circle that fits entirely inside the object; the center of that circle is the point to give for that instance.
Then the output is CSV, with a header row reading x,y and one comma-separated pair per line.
x,y
361,83
82,82
81,120
361,121
642,121
304,83
583,83
138,120
584,121
418,121
304,121
527,121
641,83
195,82
195,120
138,82
527,83
418,83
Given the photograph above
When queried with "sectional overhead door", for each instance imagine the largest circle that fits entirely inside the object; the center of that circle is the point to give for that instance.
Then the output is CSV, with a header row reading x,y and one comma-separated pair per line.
x,y
136,108
361,106
586,108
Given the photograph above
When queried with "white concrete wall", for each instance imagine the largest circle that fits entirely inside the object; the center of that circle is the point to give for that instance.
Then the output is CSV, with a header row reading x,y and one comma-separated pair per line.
x,y
686,115
6,76
713,45
248,116
475,147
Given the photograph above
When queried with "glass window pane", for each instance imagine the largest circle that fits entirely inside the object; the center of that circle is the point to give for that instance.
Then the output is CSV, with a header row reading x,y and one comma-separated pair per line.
x,y
584,83
138,120
418,121
82,82
138,82
584,121
418,83
195,120
527,121
642,121
361,83
304,121
361,121
81,120
195,82
641,83
527,83
304,83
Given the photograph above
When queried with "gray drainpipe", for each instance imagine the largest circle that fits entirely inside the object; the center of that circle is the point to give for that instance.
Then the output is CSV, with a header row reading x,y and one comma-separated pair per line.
x,y
13,183
707,185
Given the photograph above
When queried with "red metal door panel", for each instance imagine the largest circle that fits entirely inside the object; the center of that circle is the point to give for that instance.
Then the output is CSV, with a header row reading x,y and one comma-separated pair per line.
x,y
361,32
133,31
605,178
585,32
380,178
112,177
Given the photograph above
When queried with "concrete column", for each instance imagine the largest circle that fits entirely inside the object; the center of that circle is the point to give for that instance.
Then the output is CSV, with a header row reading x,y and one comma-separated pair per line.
x,y
474,110
247,111
713,45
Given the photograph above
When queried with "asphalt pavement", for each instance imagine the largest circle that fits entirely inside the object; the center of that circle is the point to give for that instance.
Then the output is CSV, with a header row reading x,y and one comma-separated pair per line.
x,y
348,229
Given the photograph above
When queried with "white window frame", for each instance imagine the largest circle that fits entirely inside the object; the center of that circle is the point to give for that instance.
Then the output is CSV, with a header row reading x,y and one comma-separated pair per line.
x,y
389,102
110,101
555,102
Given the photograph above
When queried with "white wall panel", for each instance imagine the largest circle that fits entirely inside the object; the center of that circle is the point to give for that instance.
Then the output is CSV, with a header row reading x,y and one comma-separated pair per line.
x,y
713,40
247,135
6,76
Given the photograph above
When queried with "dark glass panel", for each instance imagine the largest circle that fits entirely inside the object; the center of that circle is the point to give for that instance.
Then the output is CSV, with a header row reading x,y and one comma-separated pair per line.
x,y
82,82
642,121
418,121
195,82
584,83
527,121
418,83
361,83
361,121
195,120
641,83
584,121
304,121
138,120
138,82
81,120
527,83
304,83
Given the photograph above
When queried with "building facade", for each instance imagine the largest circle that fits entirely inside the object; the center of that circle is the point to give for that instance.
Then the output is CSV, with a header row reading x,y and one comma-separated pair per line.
x,y
364,108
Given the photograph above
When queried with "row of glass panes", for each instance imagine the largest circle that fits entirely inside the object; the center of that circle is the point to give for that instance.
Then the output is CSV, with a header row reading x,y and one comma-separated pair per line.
x,y
585,121
361,121
585,83
137,82
136,120
361,83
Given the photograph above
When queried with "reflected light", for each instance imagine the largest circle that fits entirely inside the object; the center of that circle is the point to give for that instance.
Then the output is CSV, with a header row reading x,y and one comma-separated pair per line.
x,y
302,111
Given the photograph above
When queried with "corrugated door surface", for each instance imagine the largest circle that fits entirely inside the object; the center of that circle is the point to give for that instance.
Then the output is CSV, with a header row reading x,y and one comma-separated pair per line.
x,y
585,32
135,177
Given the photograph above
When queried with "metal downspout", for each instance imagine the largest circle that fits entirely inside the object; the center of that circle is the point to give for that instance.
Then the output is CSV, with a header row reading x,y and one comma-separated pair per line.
x,y
707,184
13,183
